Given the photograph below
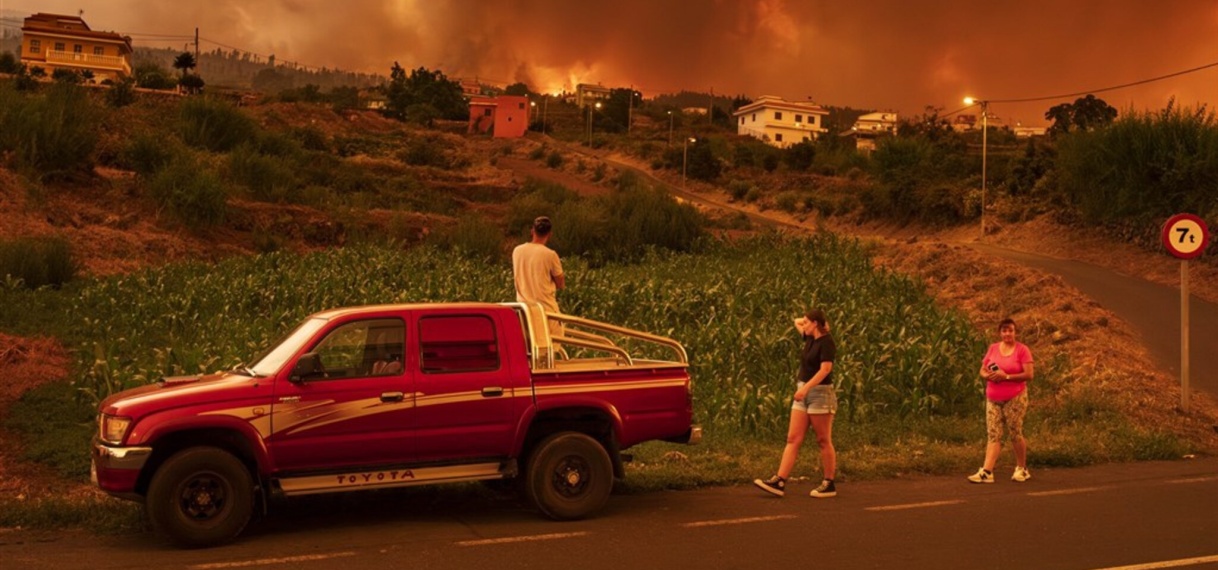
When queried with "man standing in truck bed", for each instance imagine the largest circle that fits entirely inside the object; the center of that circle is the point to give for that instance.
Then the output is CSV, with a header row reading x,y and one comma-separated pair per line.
x,y
537,269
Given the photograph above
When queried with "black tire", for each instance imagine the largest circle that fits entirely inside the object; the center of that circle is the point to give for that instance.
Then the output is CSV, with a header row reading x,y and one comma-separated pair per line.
x,y
569,476
202,496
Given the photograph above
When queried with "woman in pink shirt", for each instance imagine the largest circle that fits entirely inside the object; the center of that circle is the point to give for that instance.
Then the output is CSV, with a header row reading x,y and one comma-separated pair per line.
x,y
1007,368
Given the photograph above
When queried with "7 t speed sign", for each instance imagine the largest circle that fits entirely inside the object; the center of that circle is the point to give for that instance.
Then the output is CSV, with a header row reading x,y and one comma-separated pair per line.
x,y
1185,236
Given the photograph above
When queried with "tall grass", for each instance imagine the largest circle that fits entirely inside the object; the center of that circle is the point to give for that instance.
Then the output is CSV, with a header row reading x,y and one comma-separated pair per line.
x,y
36,261
214,124
52,133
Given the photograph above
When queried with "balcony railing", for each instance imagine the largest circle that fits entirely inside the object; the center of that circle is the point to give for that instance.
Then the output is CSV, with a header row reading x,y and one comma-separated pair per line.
x,y
88,60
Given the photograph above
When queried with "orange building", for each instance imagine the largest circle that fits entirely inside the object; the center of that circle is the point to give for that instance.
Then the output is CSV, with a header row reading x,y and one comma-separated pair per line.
x,y
506,116
53,41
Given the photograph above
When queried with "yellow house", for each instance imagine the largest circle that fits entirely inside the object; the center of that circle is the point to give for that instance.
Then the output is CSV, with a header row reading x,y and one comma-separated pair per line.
x,y
53,41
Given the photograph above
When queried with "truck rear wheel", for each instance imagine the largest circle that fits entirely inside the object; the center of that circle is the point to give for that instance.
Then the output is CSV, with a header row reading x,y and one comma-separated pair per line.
x,y
569,476
201,496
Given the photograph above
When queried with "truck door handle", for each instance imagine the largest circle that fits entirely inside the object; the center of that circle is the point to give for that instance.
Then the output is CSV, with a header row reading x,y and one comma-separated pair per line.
x,y
492,392
392,397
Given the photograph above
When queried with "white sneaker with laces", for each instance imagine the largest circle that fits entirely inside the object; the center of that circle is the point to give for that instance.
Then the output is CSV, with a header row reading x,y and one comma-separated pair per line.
x,y
1021,474
981,476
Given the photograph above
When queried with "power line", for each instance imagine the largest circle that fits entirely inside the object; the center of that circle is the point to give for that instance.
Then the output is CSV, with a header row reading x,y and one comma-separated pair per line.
x,y
1091,91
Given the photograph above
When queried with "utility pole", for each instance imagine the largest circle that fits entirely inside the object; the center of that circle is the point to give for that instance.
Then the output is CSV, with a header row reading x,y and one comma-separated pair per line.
x,y
197,62
630,110
710,109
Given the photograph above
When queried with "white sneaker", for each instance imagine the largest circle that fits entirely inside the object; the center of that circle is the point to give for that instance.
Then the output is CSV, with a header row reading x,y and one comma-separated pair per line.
x,y
1021,474
981,476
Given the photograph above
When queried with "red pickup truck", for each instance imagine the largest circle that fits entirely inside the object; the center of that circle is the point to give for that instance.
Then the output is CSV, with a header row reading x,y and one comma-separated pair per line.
x,y
395,395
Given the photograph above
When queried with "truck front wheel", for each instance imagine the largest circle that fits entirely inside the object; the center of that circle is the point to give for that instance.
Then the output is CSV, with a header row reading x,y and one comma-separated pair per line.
x,y
569,476
201,496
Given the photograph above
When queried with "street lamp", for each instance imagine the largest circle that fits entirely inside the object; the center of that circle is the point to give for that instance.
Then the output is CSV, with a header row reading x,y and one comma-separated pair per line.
x,y
985,112
670,128
685,158
598,106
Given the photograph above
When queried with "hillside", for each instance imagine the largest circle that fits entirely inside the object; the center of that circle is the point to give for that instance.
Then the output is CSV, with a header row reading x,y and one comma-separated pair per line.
x,y
400,185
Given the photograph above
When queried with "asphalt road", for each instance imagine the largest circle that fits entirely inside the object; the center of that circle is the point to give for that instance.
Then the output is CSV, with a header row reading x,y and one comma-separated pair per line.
x,y
1095,517
1153,310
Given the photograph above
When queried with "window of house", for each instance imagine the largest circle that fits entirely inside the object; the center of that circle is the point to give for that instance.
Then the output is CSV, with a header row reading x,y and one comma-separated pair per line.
x,y
59,46
742,120
777,115
778,137
99,50
77,48
520,106
359,349
486,112
754,117
458,343
35,46
799,118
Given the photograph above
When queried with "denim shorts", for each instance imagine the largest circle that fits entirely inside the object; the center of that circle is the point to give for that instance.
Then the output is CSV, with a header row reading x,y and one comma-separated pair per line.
x,y
821,399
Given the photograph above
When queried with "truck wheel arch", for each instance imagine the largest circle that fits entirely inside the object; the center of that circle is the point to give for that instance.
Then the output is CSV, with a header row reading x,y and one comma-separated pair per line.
x,y
226,438
600,424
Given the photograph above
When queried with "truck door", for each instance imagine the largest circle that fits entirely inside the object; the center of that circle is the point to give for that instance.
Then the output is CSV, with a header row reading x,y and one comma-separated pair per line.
x,y
465,398
355,410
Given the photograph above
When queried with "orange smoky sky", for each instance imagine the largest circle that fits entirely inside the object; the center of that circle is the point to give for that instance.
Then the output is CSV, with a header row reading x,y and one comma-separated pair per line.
x,y
895,55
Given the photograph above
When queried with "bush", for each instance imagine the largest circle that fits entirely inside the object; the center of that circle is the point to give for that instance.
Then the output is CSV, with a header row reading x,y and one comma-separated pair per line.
x,y
214,124
148,153
37,261
739,188
428,151
268,178
121,93
799,156
193,194
152,76
1142,168
9,63
788,201
52,134
311,138
554,160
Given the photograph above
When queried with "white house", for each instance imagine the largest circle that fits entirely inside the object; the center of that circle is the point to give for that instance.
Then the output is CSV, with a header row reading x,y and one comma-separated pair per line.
x,y
876,123
779,122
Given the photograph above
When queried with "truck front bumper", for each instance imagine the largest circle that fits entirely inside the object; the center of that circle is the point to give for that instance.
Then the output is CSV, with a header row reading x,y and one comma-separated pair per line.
x,y
116,469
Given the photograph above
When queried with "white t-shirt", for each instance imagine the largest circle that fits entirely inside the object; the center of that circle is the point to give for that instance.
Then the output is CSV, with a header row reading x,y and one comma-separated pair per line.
x,y
535,267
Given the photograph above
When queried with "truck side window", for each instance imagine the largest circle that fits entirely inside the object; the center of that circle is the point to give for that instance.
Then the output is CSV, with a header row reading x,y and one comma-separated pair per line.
x,y
458,343
359,349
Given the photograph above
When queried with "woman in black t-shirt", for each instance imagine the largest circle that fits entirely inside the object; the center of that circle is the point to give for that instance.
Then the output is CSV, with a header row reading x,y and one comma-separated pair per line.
x,y
815,404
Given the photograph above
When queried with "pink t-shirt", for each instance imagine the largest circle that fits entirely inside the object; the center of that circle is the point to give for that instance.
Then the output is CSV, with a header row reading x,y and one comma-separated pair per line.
x,y
1011,364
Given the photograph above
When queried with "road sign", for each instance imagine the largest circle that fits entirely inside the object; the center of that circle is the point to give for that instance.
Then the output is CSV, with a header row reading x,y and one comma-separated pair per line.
x,y
1185,236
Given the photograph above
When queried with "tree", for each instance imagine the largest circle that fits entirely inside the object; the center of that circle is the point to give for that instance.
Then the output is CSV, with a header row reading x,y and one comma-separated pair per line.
x,y
1084,114
702,163
518,88
152,76
9,63
423,88
184,63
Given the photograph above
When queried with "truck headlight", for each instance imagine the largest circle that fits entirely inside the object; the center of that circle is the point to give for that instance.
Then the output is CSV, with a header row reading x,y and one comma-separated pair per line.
x,y
113,428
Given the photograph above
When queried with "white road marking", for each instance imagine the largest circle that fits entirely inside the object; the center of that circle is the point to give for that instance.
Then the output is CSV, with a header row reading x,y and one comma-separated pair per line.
x,y
738,521
1068,491
270,561
1193,480
913,506
1166,563
530,538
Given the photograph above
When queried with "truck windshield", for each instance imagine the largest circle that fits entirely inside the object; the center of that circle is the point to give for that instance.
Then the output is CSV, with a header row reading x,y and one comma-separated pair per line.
x,y
273,360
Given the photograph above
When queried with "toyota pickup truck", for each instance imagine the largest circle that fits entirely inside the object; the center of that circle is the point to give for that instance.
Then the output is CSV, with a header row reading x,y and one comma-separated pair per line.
x,y
388,396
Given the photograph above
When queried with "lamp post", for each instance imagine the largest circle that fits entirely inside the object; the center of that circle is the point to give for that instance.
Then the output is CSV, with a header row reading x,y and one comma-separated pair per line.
x,y
670,128
598,106
685,158
532,111
985,112
545,104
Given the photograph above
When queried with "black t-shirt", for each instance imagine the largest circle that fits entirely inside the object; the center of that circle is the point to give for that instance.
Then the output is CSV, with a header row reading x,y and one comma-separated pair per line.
x,y
816,351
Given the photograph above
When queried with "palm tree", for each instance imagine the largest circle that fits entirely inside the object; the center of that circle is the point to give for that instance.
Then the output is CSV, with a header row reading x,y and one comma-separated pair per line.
x,y
184,62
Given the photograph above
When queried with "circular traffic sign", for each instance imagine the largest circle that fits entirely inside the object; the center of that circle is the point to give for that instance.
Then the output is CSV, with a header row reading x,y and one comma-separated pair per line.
x,y
1185,236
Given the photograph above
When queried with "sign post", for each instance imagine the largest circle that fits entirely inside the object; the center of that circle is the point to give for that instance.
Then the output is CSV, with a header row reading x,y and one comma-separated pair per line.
x,y
1185,237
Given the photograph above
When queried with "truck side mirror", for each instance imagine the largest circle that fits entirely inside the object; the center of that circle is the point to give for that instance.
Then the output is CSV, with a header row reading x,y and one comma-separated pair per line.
x,y
308,366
